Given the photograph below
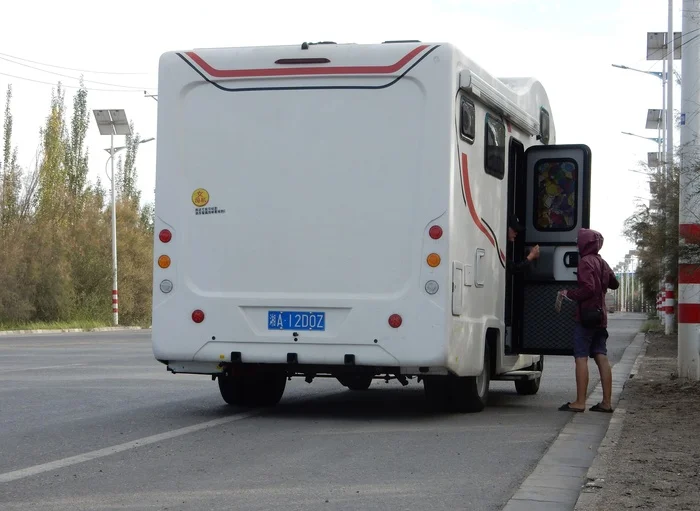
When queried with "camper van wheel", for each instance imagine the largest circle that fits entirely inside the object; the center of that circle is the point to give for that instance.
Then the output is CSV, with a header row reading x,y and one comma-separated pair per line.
x,y
470,393
356,381
263,389
530,387
437,392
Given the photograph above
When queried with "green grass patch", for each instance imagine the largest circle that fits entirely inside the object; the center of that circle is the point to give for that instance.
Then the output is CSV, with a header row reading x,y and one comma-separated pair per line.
x,y
58,325
652,326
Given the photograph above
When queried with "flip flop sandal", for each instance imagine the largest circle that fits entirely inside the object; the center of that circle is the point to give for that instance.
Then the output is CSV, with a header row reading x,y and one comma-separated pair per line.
x,y
598,408
567,408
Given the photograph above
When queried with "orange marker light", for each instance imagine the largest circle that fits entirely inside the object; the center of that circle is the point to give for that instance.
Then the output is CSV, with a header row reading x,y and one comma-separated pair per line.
x,y
164,261
433,260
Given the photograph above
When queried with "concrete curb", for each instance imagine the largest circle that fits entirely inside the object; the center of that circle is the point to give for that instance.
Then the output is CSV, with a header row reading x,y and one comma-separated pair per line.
x,y
71,330
557,480
590,495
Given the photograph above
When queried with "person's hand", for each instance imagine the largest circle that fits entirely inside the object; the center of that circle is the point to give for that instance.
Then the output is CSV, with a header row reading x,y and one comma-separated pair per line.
x,y
563,292
534,253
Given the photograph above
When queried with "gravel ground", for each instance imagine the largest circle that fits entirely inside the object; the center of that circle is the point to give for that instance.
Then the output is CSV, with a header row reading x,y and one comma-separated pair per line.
x,y
655,462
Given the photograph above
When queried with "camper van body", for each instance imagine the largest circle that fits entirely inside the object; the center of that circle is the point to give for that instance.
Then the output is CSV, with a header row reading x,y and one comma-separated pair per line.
x,y
341,210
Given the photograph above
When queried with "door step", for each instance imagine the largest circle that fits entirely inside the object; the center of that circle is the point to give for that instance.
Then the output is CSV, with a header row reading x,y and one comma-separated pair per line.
x,y
518,375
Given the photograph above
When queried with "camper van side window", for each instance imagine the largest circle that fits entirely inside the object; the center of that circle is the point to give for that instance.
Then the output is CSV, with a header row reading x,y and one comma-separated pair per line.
x,y
556,194
495,147
544,126
468,121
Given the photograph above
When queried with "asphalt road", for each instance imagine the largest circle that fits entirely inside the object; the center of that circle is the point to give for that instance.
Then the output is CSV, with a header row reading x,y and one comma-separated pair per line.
x,y
92,421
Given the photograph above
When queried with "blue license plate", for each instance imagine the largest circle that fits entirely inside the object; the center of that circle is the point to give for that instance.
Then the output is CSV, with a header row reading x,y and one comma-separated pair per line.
x,y
288,320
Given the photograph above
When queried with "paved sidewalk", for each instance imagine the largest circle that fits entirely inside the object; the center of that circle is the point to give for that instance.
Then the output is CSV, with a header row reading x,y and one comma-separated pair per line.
x,y
649,459
556,482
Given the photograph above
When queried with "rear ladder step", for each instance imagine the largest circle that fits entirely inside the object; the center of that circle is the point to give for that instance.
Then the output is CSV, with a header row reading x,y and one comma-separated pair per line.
x,y
518,375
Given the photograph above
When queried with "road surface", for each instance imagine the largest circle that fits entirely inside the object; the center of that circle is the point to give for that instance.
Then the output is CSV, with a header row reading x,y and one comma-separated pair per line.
x,y
92,421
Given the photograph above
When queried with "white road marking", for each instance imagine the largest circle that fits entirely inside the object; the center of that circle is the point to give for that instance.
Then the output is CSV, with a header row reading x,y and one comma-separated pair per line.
x,y
101,453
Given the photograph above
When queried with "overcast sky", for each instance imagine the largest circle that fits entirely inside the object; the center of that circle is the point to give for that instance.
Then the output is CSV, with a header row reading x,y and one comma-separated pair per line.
x,y
568,45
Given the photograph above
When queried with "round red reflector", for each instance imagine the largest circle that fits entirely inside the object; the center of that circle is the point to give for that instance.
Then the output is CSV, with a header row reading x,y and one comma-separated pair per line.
x,y
395,321
198,316
435,232
165,235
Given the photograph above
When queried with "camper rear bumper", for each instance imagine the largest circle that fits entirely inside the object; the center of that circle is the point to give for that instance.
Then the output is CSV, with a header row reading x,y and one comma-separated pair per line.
x,y
214,356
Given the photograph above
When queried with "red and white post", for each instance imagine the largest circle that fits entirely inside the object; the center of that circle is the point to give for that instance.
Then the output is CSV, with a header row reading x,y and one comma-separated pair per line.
x,y
115,306
669,306
689,203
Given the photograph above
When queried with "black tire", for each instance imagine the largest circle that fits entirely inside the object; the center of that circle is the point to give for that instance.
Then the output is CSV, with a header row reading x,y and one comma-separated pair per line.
x,y
264,389
467,394
470,394
232,389
356,381
530,387
437,392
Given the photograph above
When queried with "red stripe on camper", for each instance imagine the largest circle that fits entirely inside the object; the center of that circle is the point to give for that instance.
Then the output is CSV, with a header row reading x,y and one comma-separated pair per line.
x,y
297,71
470,202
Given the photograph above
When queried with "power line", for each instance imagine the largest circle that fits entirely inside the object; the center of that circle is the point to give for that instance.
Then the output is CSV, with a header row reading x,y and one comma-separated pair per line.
x,y
71,68
73,77
67,86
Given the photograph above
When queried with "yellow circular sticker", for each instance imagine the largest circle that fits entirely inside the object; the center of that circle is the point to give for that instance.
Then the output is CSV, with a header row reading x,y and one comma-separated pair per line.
x,y
200,197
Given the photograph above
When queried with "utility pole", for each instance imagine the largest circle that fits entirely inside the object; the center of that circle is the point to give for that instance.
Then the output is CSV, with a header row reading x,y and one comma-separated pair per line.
x,y
689,203
670,54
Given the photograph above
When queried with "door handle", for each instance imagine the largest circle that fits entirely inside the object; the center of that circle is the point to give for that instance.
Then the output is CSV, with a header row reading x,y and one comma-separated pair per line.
x,y
571,259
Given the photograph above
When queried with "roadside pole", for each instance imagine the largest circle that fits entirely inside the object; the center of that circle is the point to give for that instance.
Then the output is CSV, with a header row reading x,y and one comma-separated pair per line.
x,y
670,55
689,202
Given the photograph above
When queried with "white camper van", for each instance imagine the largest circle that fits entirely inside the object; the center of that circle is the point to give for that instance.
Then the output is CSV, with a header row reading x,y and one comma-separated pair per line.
x,y
340,210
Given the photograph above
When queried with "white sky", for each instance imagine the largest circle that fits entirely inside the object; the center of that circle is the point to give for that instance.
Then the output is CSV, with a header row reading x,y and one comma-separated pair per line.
x,y
568,45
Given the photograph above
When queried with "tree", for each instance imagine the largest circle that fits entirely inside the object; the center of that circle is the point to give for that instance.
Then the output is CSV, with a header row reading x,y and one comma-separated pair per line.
x,y
52,171
11,181
127,174
654,230
76,157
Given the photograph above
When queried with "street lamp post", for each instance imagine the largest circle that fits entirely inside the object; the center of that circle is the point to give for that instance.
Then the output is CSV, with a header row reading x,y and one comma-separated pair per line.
x,y
113,122
120,148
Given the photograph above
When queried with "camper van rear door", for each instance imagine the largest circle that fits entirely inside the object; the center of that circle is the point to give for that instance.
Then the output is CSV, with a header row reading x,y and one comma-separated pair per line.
x,y
557,206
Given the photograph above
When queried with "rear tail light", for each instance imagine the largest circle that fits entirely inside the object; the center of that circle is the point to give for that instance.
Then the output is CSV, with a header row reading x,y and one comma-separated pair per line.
x,y
395,321
165,236
164,261
435,232
198,316
433,260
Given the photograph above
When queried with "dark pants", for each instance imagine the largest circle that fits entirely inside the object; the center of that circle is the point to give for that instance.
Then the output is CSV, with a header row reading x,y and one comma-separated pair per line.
x,y
589,342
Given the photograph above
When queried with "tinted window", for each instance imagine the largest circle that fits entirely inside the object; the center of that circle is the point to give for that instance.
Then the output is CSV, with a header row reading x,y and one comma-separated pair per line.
x,y
495,151
468,118
556,194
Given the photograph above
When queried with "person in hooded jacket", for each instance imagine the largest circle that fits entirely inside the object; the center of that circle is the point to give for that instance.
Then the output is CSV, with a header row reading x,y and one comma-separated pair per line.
x,y
594,279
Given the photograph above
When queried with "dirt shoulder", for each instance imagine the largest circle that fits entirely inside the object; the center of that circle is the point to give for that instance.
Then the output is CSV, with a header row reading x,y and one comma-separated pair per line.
x,y
654,464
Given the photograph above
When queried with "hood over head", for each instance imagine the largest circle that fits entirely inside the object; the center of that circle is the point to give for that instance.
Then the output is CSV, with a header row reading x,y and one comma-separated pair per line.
x,y
589,242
